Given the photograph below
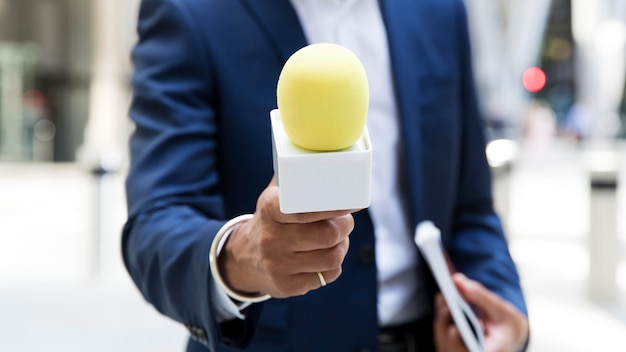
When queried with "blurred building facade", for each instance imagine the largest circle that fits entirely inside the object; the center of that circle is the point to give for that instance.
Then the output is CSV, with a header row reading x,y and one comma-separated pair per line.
x,y
54,56
64,69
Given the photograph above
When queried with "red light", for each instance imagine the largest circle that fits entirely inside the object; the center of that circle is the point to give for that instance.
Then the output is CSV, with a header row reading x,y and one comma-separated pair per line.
x,y
534,79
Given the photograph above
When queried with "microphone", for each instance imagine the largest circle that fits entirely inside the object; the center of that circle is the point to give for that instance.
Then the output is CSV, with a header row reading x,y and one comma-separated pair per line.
x,y
321,148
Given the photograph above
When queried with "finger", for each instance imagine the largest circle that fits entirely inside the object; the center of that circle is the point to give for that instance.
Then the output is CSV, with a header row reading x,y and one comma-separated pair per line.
x,y
454,341
441,323
291,244
268,203
291,263
475,293
280,239
441,309
300,284
320,260
306,218
446,334
330,276
322,234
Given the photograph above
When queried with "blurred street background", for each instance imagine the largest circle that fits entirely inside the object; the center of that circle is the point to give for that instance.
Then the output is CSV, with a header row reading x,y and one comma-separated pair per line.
x,y
551,84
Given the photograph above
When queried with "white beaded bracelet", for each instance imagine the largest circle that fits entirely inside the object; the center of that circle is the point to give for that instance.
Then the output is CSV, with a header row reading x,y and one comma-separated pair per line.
x,y
223,233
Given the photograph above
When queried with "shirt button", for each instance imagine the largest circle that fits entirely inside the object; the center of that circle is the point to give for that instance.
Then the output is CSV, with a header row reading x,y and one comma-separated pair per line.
x,y
366,254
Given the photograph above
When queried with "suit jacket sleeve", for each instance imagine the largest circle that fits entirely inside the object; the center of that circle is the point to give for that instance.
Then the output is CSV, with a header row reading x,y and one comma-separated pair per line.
x,y
478,246
175,207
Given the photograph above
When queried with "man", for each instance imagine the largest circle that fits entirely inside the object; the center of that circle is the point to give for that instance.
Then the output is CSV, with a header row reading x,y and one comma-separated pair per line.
x,y
204,84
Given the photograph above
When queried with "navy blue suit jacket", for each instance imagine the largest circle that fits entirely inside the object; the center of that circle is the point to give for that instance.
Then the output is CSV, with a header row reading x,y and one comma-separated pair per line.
x,y
204,84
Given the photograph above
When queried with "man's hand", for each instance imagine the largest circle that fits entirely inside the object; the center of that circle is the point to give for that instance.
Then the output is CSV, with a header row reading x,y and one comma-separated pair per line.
x,y
280,254
506,329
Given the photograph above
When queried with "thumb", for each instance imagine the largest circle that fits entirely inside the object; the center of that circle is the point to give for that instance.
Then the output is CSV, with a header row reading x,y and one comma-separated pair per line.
x,y
475,293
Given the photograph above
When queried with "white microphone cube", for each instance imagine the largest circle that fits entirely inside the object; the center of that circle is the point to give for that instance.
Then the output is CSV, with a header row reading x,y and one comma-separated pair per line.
x,y
312,181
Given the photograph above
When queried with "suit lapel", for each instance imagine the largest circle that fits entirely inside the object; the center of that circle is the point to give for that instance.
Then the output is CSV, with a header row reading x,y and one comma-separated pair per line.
x,y
278,20
401,19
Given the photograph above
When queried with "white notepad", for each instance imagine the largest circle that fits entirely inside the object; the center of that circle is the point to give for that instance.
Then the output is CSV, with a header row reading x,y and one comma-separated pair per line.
x,y
428,240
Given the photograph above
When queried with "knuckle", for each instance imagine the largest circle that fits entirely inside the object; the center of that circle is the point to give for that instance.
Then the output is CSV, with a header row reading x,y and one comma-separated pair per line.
x,y
267,203
334,233
336,257
266,242
262,202
346,222
339,272
271,267
350,222
268,210
344,246
333,275
345,225
328,238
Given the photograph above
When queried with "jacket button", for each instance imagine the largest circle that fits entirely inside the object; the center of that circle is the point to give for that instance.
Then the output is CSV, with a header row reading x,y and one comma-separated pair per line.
x,y
366,254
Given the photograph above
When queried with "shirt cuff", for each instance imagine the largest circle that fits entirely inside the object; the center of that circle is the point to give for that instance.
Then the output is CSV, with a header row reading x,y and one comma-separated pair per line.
x,y
224,307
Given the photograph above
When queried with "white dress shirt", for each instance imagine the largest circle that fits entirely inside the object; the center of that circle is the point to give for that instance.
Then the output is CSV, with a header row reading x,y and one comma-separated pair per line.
x,y
358,25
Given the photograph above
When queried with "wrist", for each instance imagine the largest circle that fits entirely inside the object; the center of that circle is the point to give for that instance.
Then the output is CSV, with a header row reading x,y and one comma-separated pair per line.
x,y
216,247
